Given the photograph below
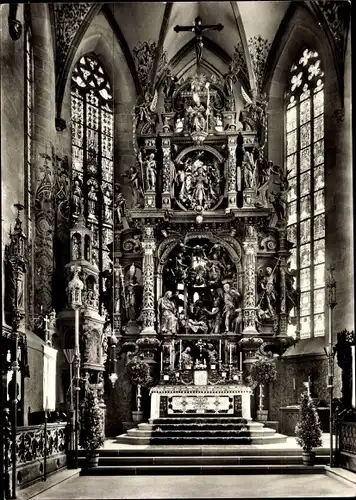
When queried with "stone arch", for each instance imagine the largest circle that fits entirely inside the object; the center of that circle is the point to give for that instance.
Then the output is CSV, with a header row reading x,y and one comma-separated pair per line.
x,y
100,40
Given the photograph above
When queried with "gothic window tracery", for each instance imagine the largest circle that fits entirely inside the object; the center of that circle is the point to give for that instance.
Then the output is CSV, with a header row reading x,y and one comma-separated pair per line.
x,y
92,153
306,197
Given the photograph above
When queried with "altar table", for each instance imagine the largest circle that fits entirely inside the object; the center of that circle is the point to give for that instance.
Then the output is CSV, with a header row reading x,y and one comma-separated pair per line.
x,y
183,400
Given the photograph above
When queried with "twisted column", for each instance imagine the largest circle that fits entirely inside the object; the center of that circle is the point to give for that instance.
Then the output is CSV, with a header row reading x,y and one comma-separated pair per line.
x,y
231,173
249,300
148,310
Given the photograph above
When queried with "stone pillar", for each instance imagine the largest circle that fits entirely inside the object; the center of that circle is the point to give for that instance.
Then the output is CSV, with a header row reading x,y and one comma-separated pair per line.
x,y
231,173
249,300
166,191
148,305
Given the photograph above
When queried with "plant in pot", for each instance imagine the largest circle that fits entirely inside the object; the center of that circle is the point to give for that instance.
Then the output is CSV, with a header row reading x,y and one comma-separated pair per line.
x,y
139,375
92,434
308,429
263,371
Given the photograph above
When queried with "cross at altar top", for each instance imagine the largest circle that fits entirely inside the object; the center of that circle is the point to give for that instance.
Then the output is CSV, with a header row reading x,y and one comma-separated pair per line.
x,y
198,28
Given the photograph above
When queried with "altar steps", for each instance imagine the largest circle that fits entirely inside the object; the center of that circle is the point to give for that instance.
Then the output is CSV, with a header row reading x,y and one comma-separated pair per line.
x,y
189,460
201,431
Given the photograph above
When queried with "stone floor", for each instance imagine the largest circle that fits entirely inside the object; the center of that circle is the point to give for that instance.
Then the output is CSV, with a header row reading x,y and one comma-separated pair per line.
x,y
198,487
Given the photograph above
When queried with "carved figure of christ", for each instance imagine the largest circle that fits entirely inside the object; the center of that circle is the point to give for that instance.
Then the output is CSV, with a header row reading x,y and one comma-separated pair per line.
x,y
198,28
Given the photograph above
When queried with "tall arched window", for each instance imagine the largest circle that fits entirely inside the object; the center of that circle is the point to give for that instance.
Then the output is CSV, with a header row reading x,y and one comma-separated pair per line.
x,y
306,203
92,151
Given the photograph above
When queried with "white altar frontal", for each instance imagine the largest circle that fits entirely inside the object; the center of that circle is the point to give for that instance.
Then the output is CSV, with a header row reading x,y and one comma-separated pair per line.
x,y
183,400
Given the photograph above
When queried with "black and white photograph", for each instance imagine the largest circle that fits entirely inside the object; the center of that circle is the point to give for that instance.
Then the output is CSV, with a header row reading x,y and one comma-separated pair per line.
x,y
177,224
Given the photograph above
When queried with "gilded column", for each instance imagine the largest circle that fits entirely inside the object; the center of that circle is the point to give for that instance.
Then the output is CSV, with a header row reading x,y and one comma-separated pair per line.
x,y
148,309
167,180
249,301
231,173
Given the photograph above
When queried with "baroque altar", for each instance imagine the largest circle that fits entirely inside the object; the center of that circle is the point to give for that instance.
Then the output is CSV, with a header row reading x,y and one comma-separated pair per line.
x,y
202,283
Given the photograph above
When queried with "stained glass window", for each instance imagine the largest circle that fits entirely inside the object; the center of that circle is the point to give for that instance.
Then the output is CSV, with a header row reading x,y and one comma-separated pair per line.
x,y
92,151
306,200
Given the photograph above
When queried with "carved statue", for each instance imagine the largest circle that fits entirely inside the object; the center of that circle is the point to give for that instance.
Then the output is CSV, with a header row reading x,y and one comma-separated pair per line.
x,y
215,315
92,199
218,124
145,111
107,195
168,314
279,200
119,204
135,181
179,124
195,115
231,301
131,302
267,292
249,169
292,293
187,358
212,355
78,206
151,172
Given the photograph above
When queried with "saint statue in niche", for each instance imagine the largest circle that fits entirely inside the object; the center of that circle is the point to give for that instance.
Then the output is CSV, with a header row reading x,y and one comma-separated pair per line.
x,y
168,314
131,286
151,172
195,115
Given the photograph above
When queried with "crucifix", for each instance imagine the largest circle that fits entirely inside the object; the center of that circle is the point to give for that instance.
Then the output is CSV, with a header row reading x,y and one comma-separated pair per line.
x,y
198,28
46,321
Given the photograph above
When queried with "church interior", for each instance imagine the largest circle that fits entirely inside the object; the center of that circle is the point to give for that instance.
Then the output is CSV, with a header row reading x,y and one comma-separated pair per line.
x,y
177,241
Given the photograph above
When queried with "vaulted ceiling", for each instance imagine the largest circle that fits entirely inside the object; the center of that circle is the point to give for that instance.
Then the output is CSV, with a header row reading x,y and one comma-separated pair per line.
x,y
250,28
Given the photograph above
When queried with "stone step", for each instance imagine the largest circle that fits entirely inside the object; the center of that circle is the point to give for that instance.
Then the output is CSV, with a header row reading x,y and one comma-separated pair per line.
x,y
202,451
191,425
201,469
205,460
174,419
201,432
206,440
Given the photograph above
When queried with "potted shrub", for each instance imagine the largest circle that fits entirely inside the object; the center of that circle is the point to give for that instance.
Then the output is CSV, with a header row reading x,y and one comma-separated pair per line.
x,y
263,372
139,375
308,429
92,435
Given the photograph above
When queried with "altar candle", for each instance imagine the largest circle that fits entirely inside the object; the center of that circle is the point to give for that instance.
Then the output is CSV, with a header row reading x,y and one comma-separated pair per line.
x,y
238,178
230,354
180,349
161,361
219,349
240,361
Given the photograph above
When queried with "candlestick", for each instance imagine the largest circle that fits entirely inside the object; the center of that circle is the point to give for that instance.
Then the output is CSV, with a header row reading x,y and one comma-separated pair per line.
x,y
238,178
219,349
230,353
161,361
240,361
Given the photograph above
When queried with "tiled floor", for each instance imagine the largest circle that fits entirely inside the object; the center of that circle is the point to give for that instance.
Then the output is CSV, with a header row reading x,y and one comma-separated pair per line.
x,y
175,487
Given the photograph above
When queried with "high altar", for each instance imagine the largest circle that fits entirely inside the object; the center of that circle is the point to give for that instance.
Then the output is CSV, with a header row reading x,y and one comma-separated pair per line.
x,y
201,279
200,283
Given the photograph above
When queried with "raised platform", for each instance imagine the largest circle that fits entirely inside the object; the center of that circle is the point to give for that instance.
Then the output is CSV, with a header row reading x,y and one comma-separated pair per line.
x,y
201,430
